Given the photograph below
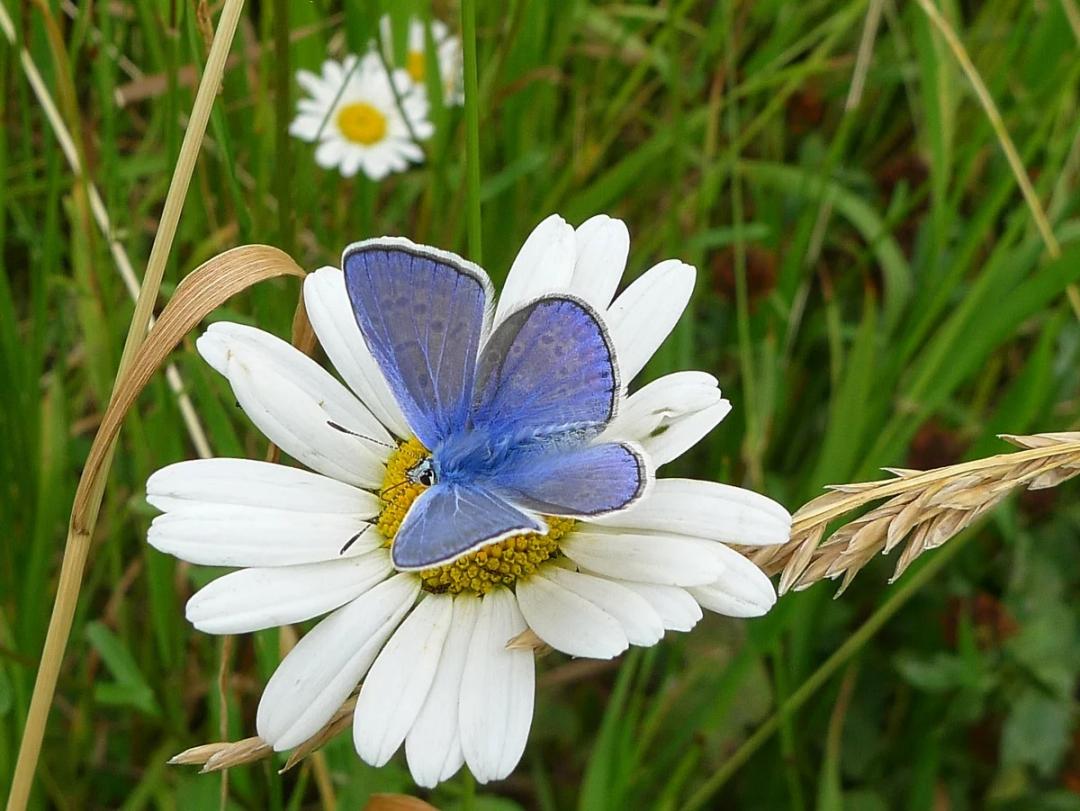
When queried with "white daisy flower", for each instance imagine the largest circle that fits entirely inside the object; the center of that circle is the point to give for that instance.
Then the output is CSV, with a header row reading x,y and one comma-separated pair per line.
x,y
431,647
352,112
447,49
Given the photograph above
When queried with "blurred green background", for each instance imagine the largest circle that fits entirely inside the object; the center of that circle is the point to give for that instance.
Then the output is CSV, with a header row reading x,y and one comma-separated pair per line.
x,y
872,291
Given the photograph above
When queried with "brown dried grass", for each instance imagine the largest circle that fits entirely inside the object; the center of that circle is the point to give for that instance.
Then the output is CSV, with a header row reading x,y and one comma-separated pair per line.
x,y
923,508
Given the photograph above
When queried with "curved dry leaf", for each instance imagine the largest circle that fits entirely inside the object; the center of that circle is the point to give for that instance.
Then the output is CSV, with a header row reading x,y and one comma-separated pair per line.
x,y
200,293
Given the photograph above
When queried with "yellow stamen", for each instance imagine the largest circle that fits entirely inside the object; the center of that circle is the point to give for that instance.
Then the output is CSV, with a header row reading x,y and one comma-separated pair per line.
x,y
416,65
362,123
499,564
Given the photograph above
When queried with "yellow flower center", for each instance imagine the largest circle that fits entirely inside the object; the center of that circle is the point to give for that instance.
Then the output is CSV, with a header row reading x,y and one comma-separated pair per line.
x,y
498,564
361,123
416,64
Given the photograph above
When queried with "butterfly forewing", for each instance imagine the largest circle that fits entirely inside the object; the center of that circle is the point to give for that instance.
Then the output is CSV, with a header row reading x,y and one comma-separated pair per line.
x,y
448,520
547,369
422,314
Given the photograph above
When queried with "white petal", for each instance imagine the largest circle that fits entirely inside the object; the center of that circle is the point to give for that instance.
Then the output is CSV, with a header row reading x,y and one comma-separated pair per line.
x,y
304,371
416,35
229,535
433,745
317,676
332,318
350,162
252,599
330,152
647,558
639,622
497,690
705,510
295,410
743,590
334,72
684,433
567,621
306,127
423,130
677,609
245,482
602,244
646,312
545,263
315,86
662,402
376,166
399,681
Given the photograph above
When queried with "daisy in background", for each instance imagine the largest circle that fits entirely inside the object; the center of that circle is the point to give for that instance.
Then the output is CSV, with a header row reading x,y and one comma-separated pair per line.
x,y
447,50
352,112
443,652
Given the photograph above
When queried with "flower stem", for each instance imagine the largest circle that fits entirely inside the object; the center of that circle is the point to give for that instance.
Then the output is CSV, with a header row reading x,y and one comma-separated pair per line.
x,y
468,790
472,129
897,598
282,111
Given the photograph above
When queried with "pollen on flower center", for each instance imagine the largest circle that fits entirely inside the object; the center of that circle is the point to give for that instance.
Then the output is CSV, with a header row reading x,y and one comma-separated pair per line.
x,y
499,564
415,64
362,123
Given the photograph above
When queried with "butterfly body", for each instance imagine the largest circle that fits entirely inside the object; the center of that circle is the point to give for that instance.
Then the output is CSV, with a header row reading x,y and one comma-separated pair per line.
x,y
511,414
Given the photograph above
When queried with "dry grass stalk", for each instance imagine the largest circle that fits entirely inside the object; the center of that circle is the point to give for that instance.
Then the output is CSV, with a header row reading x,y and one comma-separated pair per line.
x,y
997,123
215,757
92,483
924,508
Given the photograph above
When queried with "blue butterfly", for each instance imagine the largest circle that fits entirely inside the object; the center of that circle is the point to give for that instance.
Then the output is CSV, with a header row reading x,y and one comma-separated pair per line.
x,y
509,417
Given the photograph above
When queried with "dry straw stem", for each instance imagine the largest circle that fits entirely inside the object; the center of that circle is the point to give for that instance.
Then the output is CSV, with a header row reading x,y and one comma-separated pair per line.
x,y
214,757
92,483
1002,133
101,217
926,508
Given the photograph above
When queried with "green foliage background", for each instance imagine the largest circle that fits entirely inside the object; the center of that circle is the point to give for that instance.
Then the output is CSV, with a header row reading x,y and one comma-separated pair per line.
x,y
872,291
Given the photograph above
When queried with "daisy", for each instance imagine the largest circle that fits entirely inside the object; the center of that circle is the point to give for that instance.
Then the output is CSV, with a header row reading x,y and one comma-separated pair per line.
x,y
351,110
440,651
447,50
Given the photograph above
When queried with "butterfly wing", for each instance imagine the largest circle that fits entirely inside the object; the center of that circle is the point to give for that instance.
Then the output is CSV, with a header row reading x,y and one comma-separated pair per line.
x,y
450,519
548,368
422,313
581,482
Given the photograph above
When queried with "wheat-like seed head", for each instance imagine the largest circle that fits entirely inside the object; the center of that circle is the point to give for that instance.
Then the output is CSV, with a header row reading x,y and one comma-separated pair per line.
x,y
925,508
214,757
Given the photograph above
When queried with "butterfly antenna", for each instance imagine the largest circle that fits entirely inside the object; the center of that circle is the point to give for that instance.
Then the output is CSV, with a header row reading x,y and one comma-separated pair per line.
x,y
345,430
369,523
392,488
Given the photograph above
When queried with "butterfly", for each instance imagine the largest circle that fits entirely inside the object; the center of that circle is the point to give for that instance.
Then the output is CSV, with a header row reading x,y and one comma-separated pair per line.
x,y
511,416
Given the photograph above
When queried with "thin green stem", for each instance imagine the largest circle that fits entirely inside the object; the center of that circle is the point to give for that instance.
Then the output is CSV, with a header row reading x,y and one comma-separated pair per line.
x,y
896,600
472,129
282,112
753,440
468,791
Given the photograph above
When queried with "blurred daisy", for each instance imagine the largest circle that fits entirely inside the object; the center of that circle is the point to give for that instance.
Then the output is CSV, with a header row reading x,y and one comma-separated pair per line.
x,y
447,50
435,649
352,112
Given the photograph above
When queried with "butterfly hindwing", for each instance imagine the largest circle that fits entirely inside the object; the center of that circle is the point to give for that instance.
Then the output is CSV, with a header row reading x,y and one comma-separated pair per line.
x,y
450,519
422,313
581,482
548,368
